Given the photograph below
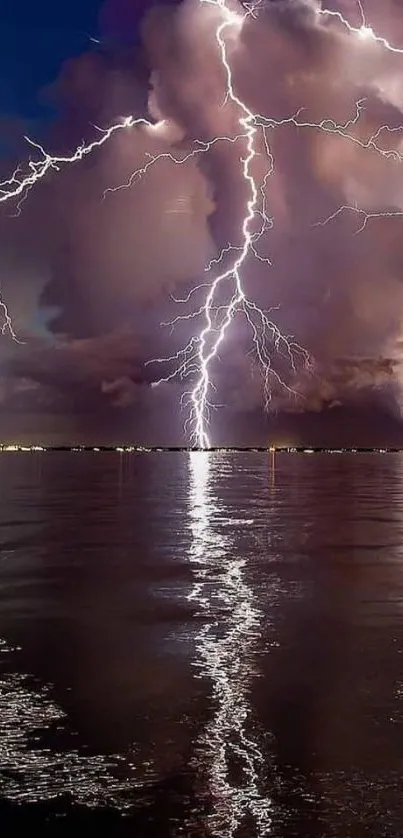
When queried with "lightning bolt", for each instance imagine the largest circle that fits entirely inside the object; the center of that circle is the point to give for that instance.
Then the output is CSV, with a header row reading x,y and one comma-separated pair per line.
x,y
19,185
7,326
363,32
197,359
198,356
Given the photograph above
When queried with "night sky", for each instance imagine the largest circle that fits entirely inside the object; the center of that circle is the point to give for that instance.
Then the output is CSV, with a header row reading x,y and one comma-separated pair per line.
x,y
89,280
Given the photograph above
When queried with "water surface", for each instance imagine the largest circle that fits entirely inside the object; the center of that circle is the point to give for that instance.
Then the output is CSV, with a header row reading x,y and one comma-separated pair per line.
x,y
202,644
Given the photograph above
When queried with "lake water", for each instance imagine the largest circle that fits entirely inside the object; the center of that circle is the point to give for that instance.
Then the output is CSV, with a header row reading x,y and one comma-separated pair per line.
x,y
202,644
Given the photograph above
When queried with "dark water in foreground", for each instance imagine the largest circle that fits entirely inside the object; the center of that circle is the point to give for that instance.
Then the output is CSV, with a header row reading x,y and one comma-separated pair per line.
x,y
202,644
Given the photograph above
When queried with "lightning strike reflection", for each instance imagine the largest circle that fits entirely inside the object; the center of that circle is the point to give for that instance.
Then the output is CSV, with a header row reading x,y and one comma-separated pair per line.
x,y
228,755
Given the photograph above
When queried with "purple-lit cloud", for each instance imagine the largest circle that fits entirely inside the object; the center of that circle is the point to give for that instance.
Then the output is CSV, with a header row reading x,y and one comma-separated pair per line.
x,y
88,279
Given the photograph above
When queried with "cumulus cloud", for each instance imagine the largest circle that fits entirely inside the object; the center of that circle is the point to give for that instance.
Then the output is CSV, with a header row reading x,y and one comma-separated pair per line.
x,y
90,277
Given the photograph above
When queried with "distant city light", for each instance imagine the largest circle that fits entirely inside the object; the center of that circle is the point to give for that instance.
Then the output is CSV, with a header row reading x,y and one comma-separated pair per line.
x,y
142,449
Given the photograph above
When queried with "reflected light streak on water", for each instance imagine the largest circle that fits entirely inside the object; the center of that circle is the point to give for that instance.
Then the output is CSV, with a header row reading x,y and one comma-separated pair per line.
x,y
228,748
34,773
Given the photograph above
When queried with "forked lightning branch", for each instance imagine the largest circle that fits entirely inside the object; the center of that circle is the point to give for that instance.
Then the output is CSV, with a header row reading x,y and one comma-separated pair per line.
x,y
226,293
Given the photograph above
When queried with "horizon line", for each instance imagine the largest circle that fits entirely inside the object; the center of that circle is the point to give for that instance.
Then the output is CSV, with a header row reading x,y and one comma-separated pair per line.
x,y
144,449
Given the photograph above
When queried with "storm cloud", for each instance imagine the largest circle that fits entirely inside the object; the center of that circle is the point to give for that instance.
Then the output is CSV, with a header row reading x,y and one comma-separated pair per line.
x,y
89,275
